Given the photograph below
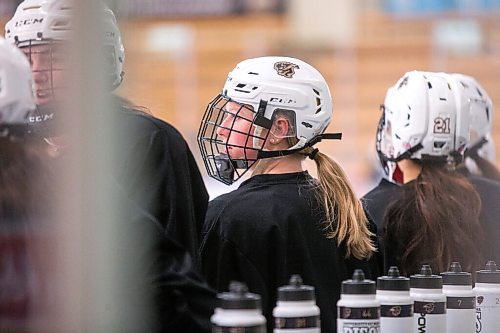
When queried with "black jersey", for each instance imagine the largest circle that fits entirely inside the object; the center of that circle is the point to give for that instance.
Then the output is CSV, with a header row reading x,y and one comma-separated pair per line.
x,y
158,171
182,300
161,288
267,230
156,268
158,279
489,191
378,200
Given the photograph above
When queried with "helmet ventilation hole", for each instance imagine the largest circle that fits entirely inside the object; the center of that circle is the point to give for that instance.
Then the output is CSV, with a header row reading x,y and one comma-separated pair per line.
x,y
32,7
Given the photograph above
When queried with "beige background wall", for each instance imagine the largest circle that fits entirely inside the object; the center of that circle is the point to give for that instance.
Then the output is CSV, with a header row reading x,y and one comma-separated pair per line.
x,y
174,67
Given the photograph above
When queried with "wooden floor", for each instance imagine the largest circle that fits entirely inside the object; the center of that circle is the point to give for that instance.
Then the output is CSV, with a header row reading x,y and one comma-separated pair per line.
x,y
174,67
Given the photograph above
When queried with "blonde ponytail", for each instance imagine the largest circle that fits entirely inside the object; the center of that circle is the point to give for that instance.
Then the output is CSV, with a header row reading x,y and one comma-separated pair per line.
x,y
345,217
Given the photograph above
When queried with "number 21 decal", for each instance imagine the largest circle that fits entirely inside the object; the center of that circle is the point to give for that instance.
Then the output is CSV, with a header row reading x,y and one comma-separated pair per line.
x,y
442,126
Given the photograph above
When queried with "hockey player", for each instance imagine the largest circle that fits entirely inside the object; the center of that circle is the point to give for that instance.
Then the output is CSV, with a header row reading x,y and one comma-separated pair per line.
x,y
154,167
428,212
155,164
268,118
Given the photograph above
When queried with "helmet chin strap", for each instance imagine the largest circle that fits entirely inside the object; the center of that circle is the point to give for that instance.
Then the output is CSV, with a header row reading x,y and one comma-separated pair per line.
x,y
313,141
406,155
474,150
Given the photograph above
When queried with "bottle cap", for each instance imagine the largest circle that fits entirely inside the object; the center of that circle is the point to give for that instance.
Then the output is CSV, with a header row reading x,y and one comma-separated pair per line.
x,y
455,276
393,281
488,275
426,280
238,297
358,284
296,291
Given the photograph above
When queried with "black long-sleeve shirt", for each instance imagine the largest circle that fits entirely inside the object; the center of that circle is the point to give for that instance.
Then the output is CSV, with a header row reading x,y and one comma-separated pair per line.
x,y
163,196
158,276
159,173
267,230
379,198
376,202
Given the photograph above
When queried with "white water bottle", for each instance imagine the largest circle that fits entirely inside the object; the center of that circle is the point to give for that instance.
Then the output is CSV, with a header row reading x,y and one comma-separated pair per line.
x,y
429,311
296,310
357,309
396,305
487,291
238,311
460,300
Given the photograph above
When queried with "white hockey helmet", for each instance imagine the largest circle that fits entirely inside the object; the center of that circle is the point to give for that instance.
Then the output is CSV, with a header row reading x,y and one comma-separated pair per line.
x,y
481,112
266,85
423,118
17,101
46,21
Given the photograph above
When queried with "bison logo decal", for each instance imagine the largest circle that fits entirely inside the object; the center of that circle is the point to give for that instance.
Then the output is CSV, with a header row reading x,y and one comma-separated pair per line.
x,y
285,68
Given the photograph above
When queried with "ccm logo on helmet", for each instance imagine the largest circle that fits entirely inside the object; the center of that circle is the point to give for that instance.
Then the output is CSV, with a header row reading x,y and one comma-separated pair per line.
x,y
29,22
282,100
39,119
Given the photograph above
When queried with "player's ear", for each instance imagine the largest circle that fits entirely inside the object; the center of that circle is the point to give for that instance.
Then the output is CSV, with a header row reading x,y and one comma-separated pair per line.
x,y
279,130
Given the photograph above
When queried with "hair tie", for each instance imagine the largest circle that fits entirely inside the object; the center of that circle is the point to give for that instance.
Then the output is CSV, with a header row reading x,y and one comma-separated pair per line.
x,y
312,154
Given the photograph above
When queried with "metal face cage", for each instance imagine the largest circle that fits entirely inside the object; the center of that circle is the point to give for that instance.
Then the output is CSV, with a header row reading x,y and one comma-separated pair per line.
x,y
231,137
47,58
